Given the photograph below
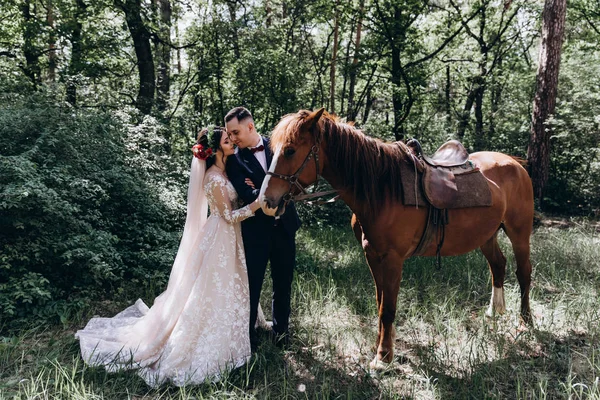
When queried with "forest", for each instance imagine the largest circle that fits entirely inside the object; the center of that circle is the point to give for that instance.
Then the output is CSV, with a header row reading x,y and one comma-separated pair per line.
x,y
101,101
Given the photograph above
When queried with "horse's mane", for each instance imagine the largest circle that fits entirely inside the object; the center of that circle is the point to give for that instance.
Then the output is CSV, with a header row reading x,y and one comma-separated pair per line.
x,y
369,166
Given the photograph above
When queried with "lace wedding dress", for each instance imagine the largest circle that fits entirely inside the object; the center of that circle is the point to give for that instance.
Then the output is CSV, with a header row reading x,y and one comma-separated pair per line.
x,y
198,327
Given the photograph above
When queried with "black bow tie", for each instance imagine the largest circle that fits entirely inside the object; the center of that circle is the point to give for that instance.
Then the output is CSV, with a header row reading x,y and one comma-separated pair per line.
x,y
258,148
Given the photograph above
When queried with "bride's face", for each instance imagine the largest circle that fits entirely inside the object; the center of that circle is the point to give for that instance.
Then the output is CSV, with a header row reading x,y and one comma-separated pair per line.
x,y
227,145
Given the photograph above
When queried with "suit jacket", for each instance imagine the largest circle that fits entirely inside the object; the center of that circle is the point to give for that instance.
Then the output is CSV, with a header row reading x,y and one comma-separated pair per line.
x,y
243,164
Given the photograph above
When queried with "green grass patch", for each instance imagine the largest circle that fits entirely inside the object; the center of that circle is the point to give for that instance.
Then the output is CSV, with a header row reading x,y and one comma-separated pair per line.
x,y
445,346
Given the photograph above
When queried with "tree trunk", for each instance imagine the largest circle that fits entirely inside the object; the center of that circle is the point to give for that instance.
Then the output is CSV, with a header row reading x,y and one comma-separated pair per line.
x,y
199,86
268,14
179,68
479,142
366,92
466,114
52,60
447,99
346,67
220,112
354,68
399,79
143,52
396,94
76,52
32,67
538,153
368,105
448,90
333,61
495,98
164,56
231,5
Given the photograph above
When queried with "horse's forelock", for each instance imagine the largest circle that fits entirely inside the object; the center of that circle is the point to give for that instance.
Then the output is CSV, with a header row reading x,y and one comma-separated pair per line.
x,y
280,133
289,128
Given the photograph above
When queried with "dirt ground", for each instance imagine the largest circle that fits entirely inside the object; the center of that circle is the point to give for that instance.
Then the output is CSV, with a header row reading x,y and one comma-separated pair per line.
x,y
561,222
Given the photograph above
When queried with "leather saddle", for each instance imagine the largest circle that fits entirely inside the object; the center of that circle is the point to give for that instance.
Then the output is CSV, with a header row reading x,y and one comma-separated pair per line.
x,y
450,154
439,170
448,180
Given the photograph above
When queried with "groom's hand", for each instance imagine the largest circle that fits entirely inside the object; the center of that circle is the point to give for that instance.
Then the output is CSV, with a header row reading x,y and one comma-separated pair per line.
x,y
250,183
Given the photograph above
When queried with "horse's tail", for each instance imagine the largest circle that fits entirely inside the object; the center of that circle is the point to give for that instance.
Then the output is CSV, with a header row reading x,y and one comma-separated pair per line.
x,y
523,162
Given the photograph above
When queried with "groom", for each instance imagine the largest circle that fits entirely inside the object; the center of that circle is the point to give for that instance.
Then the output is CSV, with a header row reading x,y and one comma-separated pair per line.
x,y
265,238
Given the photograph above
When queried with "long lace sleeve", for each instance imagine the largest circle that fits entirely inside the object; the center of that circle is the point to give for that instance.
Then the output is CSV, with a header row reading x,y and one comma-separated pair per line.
x,y
217,189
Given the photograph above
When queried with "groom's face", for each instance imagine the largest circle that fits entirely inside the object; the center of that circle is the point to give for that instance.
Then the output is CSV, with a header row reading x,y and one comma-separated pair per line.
x,y
242,132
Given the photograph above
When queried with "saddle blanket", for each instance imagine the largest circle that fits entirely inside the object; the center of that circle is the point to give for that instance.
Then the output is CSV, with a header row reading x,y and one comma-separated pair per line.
x,y
473,188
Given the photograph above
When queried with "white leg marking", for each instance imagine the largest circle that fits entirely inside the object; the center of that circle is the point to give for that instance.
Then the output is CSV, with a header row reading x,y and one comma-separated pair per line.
x,y
497,304
378,365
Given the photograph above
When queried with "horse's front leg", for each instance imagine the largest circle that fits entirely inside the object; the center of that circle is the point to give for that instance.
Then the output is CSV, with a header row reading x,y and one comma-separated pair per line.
x,y
387,273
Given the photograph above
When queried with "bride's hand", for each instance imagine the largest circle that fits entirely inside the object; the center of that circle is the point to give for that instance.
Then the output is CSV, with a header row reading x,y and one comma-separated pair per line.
x,y
250,183
255,205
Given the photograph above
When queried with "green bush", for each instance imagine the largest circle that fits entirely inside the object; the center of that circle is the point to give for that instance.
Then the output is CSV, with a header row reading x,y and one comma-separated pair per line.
x,y
84,206
574,181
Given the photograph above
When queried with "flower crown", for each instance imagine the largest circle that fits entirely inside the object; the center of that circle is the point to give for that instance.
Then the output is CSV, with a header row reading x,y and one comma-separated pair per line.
x,y
200,152
204,151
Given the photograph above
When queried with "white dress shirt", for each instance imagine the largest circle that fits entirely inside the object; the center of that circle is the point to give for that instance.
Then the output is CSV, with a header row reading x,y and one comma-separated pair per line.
x,y
261,156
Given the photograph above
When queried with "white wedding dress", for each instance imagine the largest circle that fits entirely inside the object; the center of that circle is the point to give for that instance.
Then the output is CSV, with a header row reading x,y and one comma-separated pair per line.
x,y
198,327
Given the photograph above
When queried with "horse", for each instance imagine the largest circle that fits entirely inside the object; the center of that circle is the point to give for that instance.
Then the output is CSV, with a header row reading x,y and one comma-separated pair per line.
x,y
366,174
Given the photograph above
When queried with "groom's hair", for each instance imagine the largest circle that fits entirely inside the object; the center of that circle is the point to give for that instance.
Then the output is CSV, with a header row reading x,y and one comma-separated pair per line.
x,y
241,113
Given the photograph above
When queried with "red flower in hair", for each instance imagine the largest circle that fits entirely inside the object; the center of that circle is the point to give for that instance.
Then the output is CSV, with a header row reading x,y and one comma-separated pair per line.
x,y
200,152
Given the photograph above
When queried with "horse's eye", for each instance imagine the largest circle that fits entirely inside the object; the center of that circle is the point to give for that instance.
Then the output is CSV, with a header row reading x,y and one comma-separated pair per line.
x,y
289,152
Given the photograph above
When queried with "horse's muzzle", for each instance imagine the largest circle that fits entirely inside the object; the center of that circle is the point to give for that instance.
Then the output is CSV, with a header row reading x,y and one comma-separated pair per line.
x,y
269,206
280,208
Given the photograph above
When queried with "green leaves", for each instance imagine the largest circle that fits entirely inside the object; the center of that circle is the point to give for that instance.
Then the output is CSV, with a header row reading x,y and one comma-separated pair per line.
x,y
77,205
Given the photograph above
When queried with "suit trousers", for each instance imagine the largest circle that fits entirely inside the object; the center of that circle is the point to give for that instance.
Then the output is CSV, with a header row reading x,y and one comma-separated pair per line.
x,y
279,247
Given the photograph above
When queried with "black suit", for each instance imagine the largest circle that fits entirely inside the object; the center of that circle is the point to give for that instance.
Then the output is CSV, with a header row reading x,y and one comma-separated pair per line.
x,y
265,239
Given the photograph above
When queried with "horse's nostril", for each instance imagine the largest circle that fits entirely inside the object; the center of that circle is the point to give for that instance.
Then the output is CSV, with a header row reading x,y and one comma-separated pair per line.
x,y
280,207
271,203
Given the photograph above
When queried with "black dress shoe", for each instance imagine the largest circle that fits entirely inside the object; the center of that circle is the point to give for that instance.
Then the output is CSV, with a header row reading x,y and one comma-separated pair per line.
x,y
254,341
281,340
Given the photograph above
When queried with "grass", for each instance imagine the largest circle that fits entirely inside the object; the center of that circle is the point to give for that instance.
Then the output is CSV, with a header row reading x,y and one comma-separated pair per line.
x,y
445,346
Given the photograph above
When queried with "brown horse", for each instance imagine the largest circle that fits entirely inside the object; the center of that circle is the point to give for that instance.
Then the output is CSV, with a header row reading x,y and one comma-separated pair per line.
x,y
366,173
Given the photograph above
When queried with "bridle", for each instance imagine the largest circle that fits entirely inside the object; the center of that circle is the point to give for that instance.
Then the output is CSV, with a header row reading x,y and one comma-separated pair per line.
x,y
295,182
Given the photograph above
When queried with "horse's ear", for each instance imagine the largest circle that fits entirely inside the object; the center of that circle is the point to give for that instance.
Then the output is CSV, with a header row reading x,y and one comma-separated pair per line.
x,y
313,118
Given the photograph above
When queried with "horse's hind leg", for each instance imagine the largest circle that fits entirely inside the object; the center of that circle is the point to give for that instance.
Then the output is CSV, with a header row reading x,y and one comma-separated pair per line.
x,y
387,273
497,264
519,237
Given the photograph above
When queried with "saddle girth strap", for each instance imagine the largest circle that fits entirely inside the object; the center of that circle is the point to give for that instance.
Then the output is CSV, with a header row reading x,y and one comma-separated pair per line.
x,y
435,228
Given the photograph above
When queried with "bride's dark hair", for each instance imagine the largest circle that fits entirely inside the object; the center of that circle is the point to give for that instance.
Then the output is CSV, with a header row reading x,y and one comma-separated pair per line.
x,y
210,138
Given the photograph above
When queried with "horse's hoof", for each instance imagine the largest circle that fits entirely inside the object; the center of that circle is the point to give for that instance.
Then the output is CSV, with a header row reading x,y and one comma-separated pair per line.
x,y
378,365
491,312
527,318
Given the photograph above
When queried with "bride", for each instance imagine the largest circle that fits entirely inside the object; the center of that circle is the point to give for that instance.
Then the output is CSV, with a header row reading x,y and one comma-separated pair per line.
x,y
198,327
